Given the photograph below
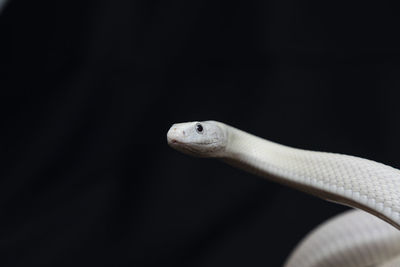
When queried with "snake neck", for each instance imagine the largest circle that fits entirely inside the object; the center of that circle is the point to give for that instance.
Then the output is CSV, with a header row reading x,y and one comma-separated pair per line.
x,y
261,157
347,180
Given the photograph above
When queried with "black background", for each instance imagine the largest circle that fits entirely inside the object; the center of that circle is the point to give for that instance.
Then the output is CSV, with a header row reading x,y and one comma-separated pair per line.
x,y
90,88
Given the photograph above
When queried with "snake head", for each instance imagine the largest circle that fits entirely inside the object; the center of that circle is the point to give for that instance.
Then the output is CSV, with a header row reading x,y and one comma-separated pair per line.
x,y
200,139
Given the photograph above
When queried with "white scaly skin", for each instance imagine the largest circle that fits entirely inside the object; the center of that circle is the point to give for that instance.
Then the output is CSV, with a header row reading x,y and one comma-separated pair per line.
x,y
352,181
352,239
395,262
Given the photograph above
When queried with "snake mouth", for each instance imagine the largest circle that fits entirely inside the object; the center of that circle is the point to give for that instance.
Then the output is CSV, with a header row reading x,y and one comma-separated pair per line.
x,y
172,141
186,148
182,147
176,142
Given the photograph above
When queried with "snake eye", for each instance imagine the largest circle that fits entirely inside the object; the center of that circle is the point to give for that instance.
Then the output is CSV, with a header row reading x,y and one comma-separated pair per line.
x,y
199,128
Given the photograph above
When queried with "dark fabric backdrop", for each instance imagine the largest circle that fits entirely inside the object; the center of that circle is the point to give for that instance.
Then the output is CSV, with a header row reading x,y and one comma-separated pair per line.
x,y
90,88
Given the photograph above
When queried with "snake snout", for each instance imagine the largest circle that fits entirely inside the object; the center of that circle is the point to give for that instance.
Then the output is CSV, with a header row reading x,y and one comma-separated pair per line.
x,y
174,135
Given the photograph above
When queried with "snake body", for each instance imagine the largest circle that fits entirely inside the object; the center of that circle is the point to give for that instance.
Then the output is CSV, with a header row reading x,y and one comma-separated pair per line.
x,y
352,239
348,180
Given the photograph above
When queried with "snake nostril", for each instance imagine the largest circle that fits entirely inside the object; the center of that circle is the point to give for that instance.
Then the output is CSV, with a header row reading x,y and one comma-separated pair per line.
x,y
183,132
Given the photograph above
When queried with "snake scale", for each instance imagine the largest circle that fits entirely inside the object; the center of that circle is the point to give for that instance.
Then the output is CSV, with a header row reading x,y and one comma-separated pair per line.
x,y
357,237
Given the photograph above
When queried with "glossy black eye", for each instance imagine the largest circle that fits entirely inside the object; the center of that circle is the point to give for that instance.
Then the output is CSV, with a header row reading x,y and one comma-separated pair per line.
x,y
199,128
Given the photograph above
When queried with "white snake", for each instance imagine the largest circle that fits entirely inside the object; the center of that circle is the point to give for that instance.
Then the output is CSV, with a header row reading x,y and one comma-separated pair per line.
x,y
354,238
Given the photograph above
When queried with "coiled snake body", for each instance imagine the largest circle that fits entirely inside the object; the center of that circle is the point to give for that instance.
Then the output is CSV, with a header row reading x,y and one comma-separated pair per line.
x,y
354,238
